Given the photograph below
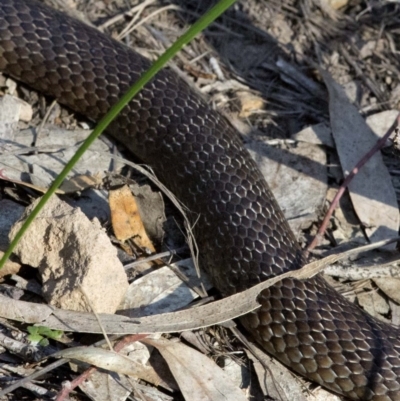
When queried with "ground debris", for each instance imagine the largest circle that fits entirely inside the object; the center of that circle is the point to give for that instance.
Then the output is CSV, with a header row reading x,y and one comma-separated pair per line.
x,y
257,63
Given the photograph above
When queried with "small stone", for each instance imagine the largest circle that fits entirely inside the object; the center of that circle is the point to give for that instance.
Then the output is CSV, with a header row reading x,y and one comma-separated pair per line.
x,y
72,253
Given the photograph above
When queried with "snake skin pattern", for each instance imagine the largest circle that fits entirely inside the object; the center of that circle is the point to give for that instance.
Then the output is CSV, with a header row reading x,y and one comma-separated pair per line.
x,y
241,232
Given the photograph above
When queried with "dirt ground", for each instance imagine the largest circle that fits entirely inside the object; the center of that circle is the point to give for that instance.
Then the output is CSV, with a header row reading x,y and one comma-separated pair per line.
x,y
260,64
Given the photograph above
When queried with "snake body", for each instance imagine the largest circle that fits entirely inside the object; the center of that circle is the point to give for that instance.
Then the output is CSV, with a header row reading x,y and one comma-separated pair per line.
x,y
241,233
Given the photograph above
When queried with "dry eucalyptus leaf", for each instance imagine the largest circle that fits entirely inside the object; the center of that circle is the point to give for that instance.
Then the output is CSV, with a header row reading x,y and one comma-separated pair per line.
x,y
297,176
374,303
12,110
56,146
160,291
318,134
390,286
132,360
395,310
276,381
381,122
69,186
81,182
101,386
239,374
198,377
371,191
27,312
126,220
321,134
216,312
104,359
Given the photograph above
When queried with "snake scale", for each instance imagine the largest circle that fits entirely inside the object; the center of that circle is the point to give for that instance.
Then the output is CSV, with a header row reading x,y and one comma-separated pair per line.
x,y
241,233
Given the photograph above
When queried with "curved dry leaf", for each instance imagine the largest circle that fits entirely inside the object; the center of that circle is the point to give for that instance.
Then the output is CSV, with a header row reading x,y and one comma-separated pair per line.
x,y
198,377
276,381
371,191
101,386
390,286
104,359
374,303
27,312
381,122
188,319
56,147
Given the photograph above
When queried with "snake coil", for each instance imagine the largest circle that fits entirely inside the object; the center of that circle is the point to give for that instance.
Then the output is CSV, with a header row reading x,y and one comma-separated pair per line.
x,y
242,234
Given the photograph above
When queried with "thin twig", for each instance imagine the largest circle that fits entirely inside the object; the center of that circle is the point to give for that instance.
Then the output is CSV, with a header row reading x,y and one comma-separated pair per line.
x,y
379,144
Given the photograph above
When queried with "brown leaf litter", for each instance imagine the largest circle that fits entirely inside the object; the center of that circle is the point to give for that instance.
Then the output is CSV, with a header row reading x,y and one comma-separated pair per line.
x,y
257,63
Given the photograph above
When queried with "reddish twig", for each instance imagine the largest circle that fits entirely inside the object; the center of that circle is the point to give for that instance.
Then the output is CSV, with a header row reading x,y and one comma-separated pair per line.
x,y
379,144
70,386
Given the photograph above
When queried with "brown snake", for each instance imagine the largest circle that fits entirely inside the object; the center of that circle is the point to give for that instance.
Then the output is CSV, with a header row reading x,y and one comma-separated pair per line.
x,y
242,235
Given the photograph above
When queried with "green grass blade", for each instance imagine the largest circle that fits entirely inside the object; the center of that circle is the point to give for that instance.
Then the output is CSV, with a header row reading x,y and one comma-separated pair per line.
x,y
196,28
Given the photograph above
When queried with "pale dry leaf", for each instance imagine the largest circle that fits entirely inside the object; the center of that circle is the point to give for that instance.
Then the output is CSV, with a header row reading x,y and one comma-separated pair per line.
x,y
81,182
321,134
158,292
275,379
10,112
37,185
199,377
104,359
347,226
239,374
390,286
10,84
142,353
26,112
101,386
131,361
27,312
395,310
381,122
302,169
318,134
371,191
56,147
374,303
320,394
371,265
216,312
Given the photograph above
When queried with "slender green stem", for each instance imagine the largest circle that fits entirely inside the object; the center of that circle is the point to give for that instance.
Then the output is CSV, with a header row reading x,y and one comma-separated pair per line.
x,y
197,27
